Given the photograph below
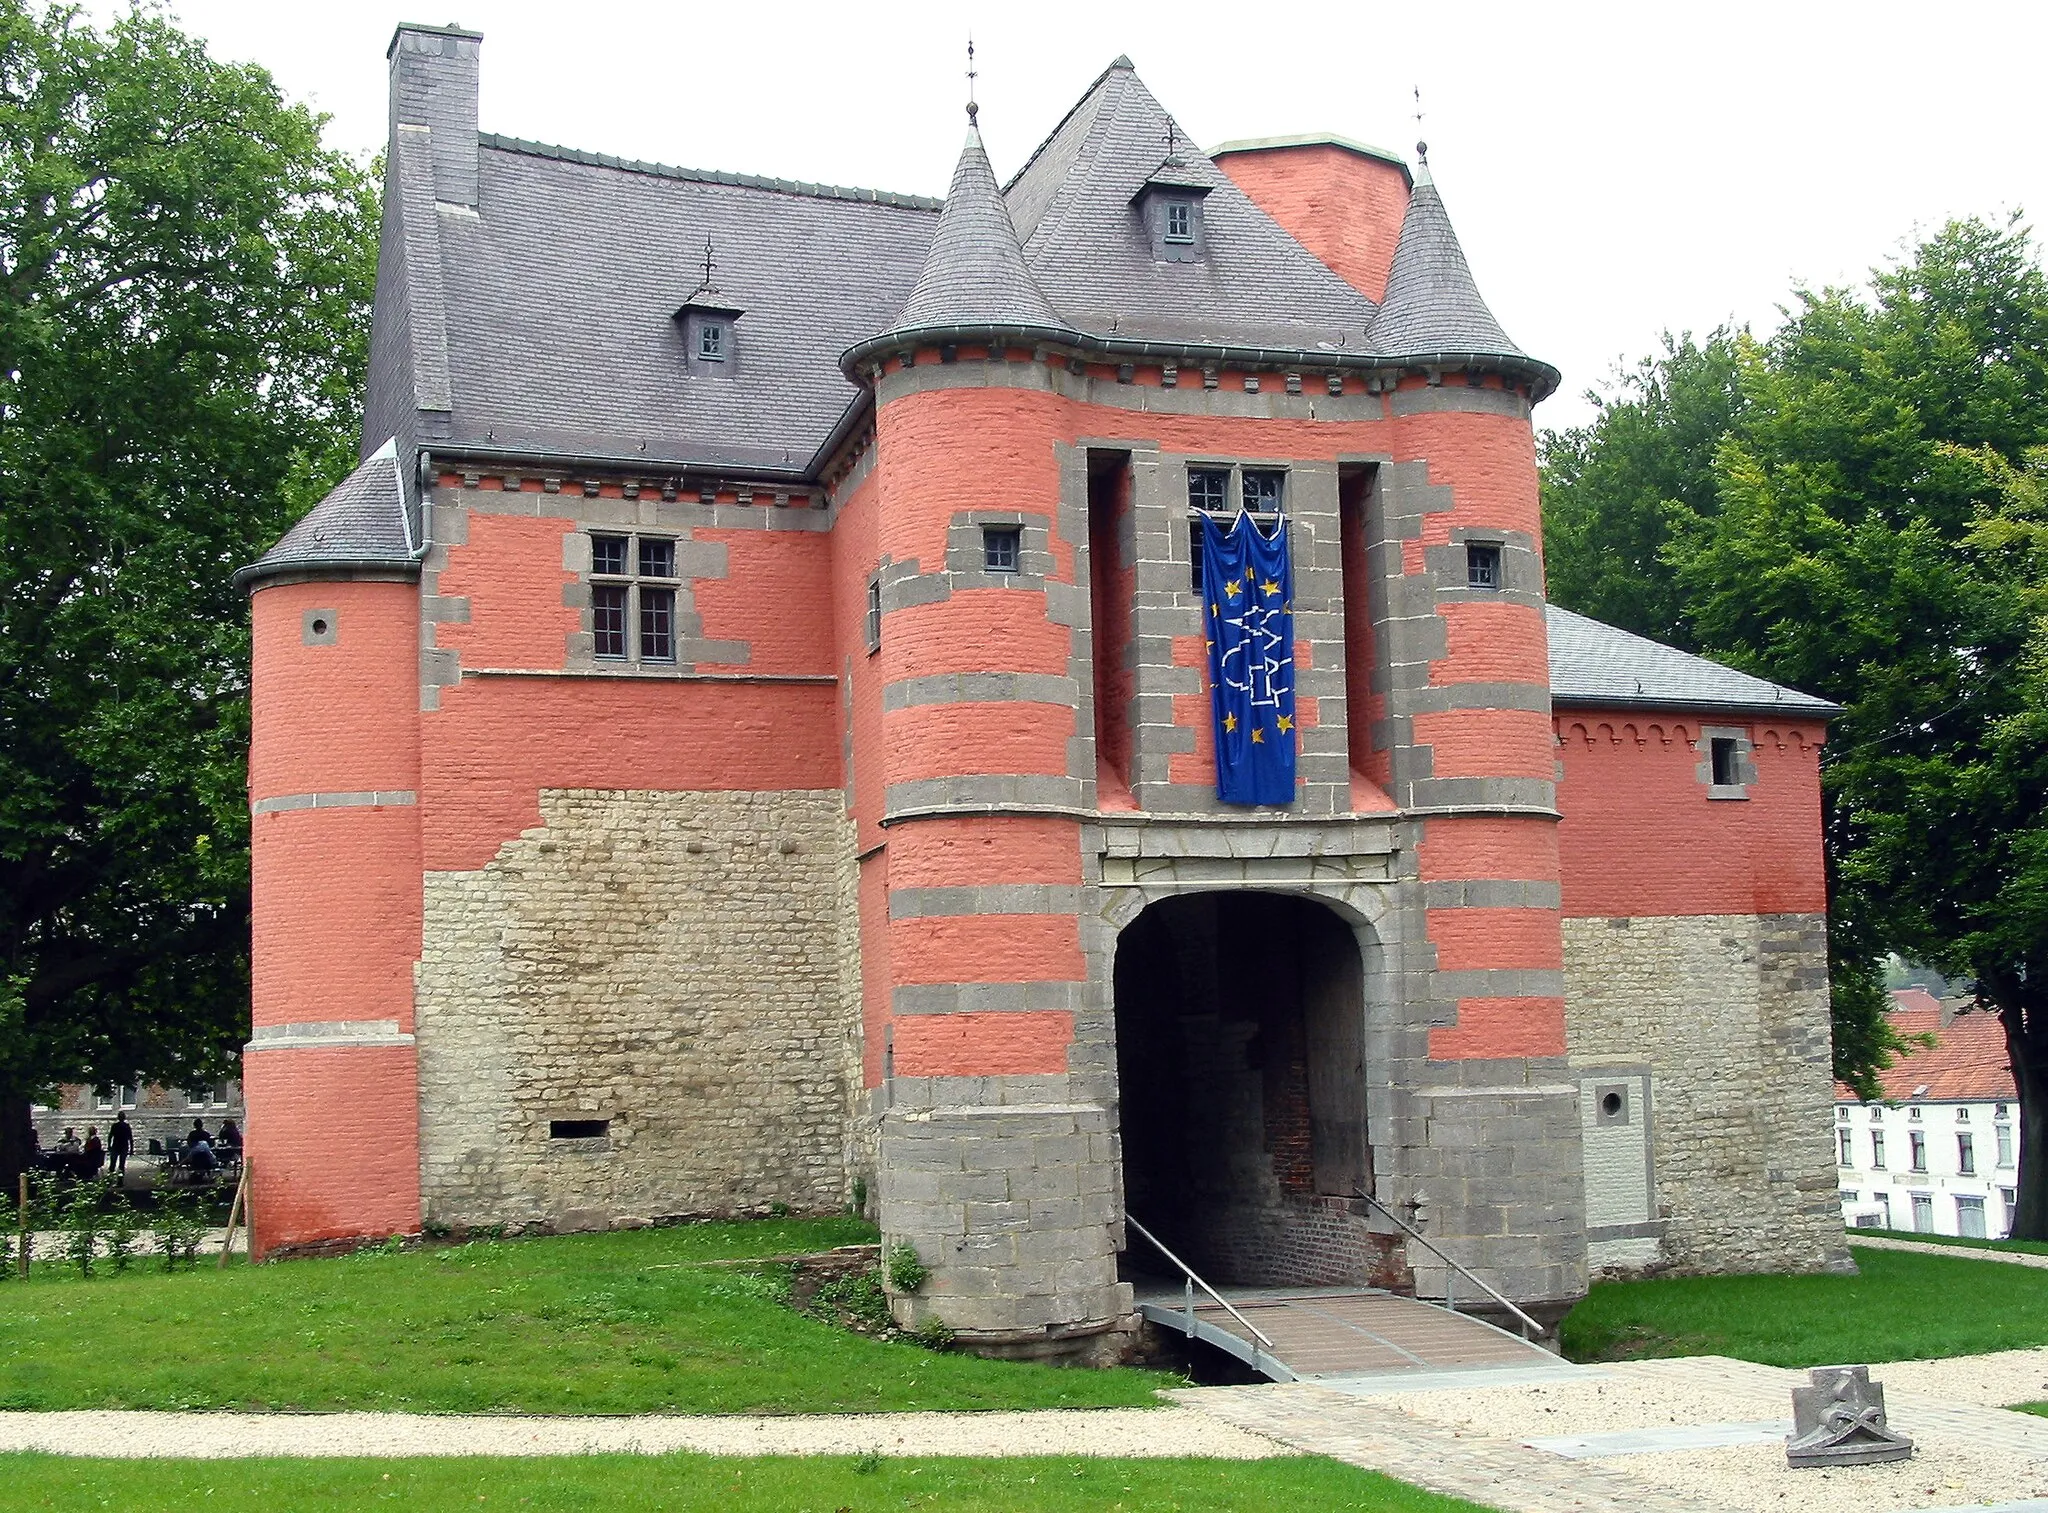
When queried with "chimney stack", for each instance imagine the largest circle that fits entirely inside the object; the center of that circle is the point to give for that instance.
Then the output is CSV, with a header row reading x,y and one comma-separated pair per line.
x,y
434,73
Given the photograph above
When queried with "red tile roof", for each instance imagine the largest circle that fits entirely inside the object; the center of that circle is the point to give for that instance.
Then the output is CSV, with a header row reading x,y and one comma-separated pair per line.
x,y
1967,1060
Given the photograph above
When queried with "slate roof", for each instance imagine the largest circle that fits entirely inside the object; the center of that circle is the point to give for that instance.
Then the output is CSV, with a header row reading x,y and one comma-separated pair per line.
x,y
974,274
1255,287
1432,303
362,523
1596,665
1967,1061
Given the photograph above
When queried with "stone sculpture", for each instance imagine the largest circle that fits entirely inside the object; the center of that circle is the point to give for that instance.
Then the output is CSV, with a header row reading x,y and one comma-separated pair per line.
x,y
1839,1421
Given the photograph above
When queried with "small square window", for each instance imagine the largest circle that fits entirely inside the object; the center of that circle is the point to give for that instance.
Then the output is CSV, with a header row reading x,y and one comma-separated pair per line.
x,y
1482,564
1000,548
1180,221
657,558
1262,490
608,555
1726,773
711,341
1208,488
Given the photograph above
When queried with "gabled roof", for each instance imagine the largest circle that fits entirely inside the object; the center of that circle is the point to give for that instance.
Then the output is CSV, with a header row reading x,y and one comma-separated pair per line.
x,y
1600,666
1432,304
1968,1060
974,274
1255,287
554,304
362,524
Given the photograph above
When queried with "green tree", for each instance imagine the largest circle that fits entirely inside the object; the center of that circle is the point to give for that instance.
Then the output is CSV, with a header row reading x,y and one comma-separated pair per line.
x,y
185,275
1876,535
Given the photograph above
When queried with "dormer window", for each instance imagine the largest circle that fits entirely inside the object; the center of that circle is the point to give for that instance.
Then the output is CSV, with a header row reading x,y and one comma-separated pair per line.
x,y
710,328
1169,206
1180,221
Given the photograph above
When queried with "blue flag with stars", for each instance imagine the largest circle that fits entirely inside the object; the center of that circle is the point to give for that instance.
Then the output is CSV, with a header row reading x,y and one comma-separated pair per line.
x,y
1248,611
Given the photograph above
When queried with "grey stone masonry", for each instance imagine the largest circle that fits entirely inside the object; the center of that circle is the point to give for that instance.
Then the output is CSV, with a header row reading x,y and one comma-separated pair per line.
x,y
1729,1013
1015,1209
674,965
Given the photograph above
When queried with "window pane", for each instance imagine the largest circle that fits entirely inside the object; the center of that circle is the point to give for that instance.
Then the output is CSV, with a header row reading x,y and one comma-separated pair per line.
x,y
1208,488
657,625
1262,490
608,554
657,558
608,618
874,622
1482,564
1966,1156
1722,750
711,342
1180,219
999,548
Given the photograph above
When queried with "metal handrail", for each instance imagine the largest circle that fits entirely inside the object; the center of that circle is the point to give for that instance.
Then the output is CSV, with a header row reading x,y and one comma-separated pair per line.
x,y
1464,1271
1193,1281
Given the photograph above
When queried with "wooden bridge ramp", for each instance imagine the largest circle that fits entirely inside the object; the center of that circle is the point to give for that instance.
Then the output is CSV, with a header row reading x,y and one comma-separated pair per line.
x,y
1319,1333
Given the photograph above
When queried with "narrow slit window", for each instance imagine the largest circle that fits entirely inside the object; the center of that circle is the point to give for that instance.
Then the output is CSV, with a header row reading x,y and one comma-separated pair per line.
x,y
874,616
1725,770
1001,548
579,1129
1482,564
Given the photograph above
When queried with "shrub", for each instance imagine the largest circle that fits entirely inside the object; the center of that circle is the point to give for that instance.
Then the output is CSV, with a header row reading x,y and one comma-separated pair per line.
x,y
905,1269
177,1229
83,1218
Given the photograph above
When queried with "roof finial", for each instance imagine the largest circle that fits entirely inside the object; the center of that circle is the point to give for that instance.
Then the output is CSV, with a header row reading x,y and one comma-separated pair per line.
x,y
710,264
1172,141
973,110
1421,147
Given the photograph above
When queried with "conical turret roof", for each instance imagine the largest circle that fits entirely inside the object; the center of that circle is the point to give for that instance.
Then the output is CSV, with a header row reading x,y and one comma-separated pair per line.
x,y
1432,305
975,273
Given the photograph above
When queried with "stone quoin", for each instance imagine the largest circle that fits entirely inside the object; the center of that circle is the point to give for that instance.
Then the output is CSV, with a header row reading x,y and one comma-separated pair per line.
x,y
740,739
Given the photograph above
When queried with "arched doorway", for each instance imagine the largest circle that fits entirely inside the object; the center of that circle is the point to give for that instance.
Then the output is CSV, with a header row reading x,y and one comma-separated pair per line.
x,y
1240,1022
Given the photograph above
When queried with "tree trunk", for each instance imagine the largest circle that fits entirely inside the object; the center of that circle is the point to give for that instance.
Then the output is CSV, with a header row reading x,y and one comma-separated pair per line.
x,y
2026,1041
14,1143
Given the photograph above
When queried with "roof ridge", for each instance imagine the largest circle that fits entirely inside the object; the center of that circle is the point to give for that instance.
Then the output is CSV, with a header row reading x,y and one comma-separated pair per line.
x,y
708,175
1120,64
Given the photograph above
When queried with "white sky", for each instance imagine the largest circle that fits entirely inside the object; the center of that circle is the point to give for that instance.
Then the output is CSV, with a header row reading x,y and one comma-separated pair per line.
x,y
1613,170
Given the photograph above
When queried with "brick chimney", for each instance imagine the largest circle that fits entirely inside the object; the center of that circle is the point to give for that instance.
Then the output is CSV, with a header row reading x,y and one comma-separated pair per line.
x,y
434,73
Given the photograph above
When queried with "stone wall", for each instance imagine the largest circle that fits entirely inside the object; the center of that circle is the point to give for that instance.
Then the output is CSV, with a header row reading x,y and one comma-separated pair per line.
x,y
1729,1016
672,963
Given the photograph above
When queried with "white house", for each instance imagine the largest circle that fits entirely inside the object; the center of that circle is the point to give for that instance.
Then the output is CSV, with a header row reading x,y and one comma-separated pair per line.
x,y
1940,1154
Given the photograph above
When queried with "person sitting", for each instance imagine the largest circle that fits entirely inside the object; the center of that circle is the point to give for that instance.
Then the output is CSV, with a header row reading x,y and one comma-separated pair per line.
x,y
230,1138
197,1132
68,1144
199,1157
94,1155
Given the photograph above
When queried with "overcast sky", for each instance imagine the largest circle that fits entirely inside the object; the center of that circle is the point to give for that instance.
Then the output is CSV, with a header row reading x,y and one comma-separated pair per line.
x,y
1613,171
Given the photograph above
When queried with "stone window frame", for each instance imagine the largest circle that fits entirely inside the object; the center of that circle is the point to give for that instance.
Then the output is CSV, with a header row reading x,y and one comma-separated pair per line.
x,y
1741,754
1235,474
1484,565
967,553
637,585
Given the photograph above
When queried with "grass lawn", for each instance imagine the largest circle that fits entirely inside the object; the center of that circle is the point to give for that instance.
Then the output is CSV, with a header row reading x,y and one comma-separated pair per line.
x,y
1903,1306
631,1322
625,1484
2027,1247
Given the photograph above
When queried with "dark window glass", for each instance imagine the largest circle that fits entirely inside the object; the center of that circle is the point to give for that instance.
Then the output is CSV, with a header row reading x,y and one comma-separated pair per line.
x,y
608,618
711,341
999,548
1723,751
874,622
657,558
578,1129
1180,221
1482,564
1262,490
1208,488
608,554
657,625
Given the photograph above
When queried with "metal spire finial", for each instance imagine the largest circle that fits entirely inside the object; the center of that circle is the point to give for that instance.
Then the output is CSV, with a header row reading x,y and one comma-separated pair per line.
x,y
1421,147
710,265
973,110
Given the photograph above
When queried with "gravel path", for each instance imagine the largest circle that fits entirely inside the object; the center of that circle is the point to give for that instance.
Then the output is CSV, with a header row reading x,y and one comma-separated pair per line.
x,y
1139,1432
1965,1252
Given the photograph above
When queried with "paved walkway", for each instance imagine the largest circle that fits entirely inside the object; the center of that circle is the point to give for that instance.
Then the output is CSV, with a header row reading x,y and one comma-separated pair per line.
x,y
1144,1432
1963,1252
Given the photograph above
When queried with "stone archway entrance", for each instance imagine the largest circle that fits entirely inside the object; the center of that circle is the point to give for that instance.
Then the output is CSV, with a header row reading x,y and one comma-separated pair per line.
x,y
1240,1025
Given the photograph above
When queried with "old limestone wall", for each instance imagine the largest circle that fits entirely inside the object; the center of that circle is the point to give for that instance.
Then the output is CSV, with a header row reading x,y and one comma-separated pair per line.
x,y
1728,1017
670,962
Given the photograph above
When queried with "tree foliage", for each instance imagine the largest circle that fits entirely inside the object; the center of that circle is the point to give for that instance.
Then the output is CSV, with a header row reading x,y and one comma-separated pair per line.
x,y
1868,520
185,275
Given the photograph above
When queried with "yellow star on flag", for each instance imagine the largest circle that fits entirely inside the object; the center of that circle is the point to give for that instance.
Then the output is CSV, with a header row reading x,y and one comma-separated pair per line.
x,y
1269,588
1230,589
1230,724
1258,736
1286,723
